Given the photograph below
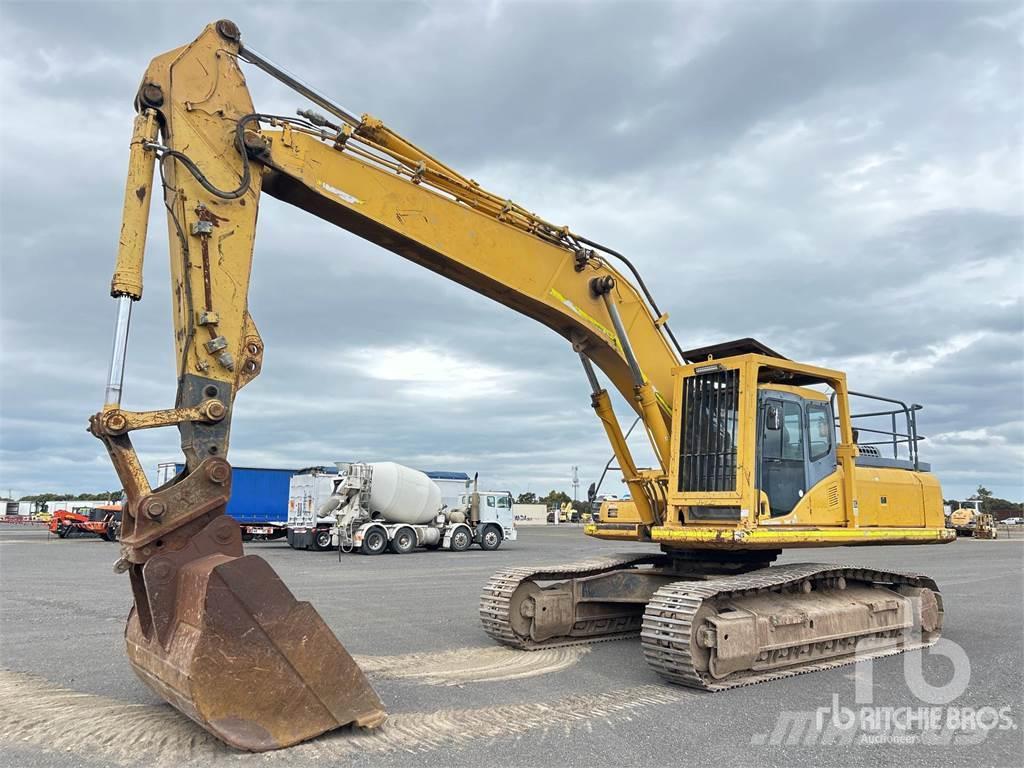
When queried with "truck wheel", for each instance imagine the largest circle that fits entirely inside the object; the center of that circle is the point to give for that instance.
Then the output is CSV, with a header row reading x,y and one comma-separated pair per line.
x,y
490,539
404,541
460,540
322,539
374,541
112,531
62,531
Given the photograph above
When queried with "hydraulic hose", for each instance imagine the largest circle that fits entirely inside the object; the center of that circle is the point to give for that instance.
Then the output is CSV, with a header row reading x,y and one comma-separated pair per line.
x,y
640,283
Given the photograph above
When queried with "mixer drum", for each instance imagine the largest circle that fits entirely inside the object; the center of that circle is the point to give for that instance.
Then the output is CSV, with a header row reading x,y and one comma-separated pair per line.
x,y
403,495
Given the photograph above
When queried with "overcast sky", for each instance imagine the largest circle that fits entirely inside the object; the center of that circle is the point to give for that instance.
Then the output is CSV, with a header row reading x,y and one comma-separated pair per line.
x,y
842,180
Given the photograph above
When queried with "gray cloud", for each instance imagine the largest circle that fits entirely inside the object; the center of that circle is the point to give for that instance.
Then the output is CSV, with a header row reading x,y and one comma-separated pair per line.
x,y
842,180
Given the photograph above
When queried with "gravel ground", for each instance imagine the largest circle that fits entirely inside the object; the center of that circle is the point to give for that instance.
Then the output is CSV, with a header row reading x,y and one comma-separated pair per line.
x,y
69,698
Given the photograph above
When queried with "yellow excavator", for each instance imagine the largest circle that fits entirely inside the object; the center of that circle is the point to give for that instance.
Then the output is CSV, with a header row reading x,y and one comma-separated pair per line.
x,y
754,453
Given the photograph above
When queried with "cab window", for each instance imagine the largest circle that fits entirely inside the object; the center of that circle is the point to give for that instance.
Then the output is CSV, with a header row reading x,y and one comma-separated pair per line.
x,y
819,430
792,432
490,501
788,442
503,502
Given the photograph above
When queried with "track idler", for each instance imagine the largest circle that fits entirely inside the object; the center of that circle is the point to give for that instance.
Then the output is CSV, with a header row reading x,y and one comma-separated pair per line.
x,y
217,633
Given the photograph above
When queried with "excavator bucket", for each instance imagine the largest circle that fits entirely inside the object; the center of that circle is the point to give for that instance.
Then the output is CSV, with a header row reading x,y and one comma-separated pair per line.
x,y
219,636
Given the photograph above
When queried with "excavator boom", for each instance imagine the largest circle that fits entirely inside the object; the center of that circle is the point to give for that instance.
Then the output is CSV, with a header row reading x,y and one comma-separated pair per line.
x,y
214,631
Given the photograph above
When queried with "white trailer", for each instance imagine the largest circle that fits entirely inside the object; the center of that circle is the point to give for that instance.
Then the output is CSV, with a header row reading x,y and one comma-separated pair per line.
x,y
374,507
306,492
530,514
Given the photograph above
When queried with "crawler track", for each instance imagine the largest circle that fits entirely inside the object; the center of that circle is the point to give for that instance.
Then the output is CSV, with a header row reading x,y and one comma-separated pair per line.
x,y
669,620
496,599
668,623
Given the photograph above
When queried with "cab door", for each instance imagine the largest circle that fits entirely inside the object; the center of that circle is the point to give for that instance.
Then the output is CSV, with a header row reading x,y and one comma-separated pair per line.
x,y
490,507
506,517
783,469
821,444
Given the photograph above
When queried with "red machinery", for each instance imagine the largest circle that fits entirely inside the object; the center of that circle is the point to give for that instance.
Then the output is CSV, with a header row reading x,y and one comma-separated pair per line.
x,y
104,521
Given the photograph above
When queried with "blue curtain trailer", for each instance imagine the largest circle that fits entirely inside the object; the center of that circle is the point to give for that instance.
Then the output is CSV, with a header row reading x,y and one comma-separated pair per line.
x,y
259,498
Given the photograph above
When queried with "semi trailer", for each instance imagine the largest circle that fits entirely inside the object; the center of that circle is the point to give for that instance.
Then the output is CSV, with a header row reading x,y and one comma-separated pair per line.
x,y
259,498
383,506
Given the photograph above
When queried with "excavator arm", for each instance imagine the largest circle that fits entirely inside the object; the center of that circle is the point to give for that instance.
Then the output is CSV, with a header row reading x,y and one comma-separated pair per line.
x,y
198,137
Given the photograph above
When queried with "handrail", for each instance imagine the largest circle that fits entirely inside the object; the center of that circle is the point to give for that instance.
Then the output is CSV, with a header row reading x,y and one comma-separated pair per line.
x,y
895,438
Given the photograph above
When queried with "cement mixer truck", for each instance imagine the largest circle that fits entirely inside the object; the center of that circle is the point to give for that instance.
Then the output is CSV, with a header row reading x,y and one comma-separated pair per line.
x,y
384,506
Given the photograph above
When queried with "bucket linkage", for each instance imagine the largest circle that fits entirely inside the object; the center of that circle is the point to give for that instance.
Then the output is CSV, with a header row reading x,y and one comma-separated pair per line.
x,y
215,632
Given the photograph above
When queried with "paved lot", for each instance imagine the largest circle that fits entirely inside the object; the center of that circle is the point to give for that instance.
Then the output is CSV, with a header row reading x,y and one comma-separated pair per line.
x,y
68,697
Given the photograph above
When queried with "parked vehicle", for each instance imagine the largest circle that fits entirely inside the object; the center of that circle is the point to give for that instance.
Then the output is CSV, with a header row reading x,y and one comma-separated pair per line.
x,y
306,490
104,521
373,507
967,519
565,513
259,498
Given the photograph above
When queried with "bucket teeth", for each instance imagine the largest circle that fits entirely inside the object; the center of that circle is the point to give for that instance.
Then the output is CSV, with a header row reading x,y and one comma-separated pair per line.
x,y
247,661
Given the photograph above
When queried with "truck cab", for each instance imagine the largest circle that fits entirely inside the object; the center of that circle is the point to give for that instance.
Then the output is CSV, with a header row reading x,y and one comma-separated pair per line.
x,y
491,513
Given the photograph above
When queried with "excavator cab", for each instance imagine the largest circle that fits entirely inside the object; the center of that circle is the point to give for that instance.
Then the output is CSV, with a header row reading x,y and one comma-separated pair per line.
x,y
763,456
796,445
744,437
766,446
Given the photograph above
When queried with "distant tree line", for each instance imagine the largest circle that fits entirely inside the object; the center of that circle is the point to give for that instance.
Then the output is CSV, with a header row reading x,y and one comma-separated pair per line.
x,y
553,498
104,496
